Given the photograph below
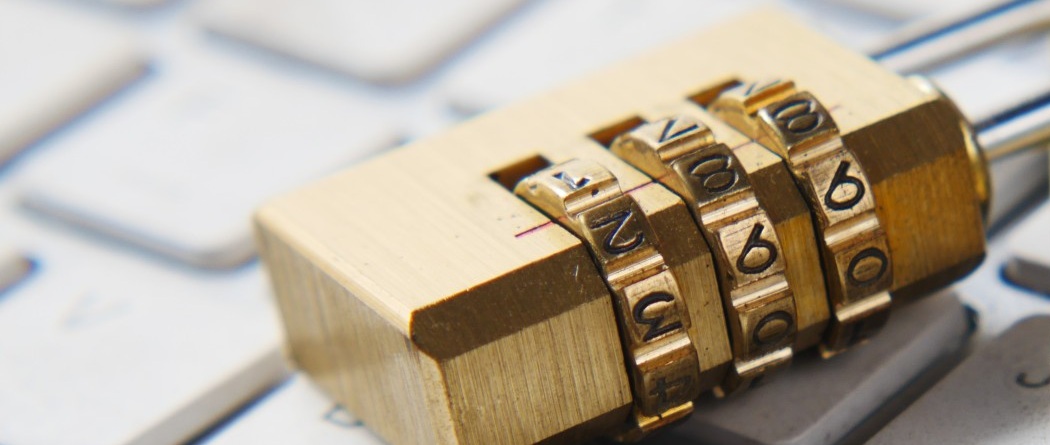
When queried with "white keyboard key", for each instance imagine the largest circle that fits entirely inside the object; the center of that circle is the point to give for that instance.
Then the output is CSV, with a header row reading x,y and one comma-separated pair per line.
x,y
134,3
1000,395
999,303
1019,69
13,267
909,9
1029,245
383,41
820,401
104,348
56,63
561,40
297,412
178,167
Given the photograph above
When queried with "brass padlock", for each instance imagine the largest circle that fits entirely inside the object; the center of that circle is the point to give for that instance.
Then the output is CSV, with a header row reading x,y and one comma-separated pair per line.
x,y
439,307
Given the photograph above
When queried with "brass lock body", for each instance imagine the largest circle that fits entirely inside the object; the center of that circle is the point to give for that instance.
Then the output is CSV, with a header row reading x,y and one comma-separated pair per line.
x,y
438,306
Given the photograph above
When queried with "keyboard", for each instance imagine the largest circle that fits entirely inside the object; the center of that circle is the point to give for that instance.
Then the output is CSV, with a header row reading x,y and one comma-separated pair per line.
x,y
137,137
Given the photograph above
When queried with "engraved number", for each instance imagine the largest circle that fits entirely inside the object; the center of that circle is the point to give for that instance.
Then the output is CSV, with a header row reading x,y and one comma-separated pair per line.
x,y
838,196
614,242
772,329
1022,380
667,134
656,324
758,86
662,387
758,254
798,116
573,183
716,173
867,267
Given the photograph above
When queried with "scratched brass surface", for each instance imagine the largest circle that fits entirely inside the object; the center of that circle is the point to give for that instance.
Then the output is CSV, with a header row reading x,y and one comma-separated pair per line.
x,y
662,362
857,262
440,308
682,153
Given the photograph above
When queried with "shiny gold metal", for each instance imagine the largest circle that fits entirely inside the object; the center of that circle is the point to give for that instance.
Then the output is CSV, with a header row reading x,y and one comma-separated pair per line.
x,y
420,293
586,199
682,247
857,260
642,425
681,152
788,211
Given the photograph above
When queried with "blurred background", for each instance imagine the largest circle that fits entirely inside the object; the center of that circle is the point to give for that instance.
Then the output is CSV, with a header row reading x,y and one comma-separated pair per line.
x,y
136,137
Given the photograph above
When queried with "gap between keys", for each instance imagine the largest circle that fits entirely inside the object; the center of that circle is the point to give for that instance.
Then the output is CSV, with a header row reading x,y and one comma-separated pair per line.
x,y
178,166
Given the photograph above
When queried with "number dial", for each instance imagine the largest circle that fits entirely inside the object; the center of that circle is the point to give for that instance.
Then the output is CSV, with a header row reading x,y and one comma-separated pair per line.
x,y
751,247
769,321
855,251
750,264
711,175
860,266
835,187
737,105
799,119
653,316
618,232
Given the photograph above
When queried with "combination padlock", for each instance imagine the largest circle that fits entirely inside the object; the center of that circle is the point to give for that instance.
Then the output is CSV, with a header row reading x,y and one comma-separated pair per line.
x,y
590,261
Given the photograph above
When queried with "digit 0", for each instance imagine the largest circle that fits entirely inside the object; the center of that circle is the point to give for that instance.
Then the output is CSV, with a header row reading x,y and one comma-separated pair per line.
x,y
867,267
772,329
1024,381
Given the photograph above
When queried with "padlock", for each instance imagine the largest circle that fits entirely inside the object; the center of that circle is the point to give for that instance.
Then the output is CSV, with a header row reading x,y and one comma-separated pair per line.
x,y
586,262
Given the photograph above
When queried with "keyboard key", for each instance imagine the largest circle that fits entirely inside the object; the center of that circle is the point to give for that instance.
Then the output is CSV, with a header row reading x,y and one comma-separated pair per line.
x,y
1019,69
1029,245
56,64
909,9
999,303
821,401
135,3
13,267
382,41
178,167
553,42
1001,394
104,348
296,412
561,40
